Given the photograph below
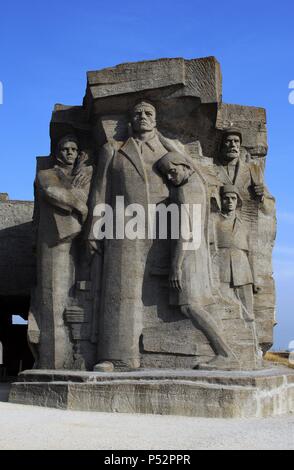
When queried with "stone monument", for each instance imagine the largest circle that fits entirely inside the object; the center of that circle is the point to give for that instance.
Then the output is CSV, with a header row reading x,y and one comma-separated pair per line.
x,y
122,290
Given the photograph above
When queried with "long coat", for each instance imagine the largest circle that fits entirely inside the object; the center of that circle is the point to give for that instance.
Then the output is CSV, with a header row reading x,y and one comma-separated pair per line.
x,y
243,179
232,242
125,277
129,282
56,229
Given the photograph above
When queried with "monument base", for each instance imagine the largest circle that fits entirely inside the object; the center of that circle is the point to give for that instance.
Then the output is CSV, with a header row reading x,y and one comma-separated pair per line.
x,y
209,394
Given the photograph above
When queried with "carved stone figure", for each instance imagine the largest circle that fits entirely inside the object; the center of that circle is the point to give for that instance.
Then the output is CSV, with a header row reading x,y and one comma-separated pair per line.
x,y
236,166
61,212
189,277
112,301
154,233
231,244
128,172
232,170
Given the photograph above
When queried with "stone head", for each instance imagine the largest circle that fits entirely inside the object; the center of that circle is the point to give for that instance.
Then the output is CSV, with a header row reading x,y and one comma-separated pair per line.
x,y
67,150
231,144
143,117
230,199
175,167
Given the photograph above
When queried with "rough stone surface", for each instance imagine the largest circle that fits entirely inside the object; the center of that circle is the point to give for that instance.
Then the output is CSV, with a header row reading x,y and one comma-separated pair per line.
x,y
17,263
187,393
200,78
154,132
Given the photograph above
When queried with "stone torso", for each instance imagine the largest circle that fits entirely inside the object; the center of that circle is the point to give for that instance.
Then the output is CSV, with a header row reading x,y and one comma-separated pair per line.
x,y
144,156
232,245
237,174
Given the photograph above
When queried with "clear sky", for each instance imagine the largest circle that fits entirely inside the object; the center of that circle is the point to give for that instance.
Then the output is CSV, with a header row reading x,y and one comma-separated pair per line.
x,y
47,47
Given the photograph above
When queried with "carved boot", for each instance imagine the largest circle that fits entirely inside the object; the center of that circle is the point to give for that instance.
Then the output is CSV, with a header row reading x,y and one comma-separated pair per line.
x,y
105,366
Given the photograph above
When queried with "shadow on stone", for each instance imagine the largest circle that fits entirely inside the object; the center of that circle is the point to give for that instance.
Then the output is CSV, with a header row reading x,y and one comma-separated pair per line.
x,y
4,391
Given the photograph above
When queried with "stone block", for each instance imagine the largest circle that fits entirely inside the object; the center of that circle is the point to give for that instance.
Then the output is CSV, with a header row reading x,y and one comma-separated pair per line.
x,y
260,394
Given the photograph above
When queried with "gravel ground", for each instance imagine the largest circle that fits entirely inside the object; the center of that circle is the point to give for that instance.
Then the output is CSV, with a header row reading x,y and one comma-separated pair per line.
x,y
30,427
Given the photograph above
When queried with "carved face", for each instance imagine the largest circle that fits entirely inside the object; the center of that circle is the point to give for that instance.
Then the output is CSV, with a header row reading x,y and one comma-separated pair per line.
x,y
176,174
229,202
231,147
68,153
143,118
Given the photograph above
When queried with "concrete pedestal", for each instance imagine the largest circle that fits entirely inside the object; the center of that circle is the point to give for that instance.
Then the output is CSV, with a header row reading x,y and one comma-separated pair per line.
x,y
210,394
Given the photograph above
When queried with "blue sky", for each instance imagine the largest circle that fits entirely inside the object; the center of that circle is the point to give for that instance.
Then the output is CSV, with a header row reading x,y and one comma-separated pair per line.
x,y
47,47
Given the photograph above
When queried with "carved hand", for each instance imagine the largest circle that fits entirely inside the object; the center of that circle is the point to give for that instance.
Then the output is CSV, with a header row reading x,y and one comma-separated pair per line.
x,y
94,246
175,279
59,197
83,177
259,190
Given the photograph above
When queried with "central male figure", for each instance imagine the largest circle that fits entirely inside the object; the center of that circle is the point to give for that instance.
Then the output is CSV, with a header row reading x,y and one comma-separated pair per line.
x,y
129,171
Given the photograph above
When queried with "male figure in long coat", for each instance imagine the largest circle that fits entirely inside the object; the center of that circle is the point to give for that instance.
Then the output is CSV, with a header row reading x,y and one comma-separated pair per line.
x,y
230,168
61,203
129,172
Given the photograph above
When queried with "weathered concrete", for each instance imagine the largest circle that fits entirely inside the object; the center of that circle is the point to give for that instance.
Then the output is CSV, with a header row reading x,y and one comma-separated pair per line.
x,y
113,303
22,427
199,78
17,262
268,392
133,117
